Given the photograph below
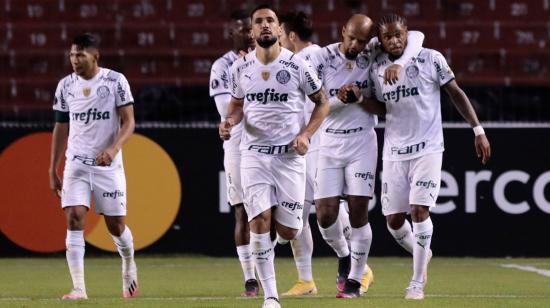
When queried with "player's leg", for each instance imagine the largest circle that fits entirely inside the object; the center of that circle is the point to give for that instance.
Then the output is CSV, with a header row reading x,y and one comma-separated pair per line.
x,y
329,185
259,197
232,166
395,202
359,189
302,245
425,173
109,191
75,200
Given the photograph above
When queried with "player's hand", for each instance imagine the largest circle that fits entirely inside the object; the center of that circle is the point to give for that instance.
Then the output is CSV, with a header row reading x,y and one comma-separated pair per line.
x,y
483,148
349,94
106,157
225,129
391,74
55,183
301,144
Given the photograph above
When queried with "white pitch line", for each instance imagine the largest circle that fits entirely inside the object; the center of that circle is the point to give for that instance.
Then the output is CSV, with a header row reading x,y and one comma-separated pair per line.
x,y
528,268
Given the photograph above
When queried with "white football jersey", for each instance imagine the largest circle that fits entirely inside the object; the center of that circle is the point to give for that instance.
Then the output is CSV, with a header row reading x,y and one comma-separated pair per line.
x,y
93,116
220,84
274,97
413,118
335,71
306,55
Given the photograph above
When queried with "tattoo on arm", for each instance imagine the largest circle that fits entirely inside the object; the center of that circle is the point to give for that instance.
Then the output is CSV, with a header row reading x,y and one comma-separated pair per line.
x,y
319,97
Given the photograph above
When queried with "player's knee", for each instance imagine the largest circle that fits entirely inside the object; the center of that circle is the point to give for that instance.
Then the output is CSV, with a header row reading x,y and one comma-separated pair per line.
x,y
288,233
419,213
327,213
75,220
395,221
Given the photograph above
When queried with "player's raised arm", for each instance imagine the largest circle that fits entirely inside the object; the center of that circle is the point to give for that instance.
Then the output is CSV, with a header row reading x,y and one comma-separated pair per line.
x,y
463,105
234,117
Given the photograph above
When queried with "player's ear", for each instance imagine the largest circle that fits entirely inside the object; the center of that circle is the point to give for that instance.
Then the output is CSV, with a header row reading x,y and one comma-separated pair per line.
x,y
292,36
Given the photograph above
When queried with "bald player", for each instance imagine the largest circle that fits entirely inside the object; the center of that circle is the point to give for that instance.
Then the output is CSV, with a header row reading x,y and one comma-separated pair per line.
x,y
348,152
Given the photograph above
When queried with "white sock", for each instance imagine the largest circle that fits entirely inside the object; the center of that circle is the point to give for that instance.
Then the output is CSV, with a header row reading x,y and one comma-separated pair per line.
x,y
343,217
302,248
75,257
262,253
361,239
403,236
334,237
125,246
247,264
423,236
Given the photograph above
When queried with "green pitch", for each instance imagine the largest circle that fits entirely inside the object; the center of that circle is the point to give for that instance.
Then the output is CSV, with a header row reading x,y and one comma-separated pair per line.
x,y
194,281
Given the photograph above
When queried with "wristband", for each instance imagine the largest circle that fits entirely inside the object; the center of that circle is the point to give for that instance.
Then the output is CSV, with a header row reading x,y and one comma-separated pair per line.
x,y
478,130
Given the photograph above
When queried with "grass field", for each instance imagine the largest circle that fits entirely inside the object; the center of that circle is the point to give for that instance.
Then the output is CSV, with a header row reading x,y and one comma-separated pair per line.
x,y
195,281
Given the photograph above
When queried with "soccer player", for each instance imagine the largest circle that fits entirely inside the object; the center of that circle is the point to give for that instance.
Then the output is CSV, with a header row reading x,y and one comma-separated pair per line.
x,y
413,140
269,86
296,32
348,154
94,117
240,31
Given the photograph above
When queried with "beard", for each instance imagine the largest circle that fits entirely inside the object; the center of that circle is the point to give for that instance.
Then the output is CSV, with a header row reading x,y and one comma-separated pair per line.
x,y
266,42
350,56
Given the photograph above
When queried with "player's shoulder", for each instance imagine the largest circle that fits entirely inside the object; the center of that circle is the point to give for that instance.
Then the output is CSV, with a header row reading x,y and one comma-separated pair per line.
x,y
109,75
67,81
224,62
244,62
429,54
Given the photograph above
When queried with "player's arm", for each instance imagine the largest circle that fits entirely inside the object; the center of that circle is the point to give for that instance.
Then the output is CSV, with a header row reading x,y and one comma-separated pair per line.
x,y
318,115
234,116
60,136
415,39
126,114
222,103
463,105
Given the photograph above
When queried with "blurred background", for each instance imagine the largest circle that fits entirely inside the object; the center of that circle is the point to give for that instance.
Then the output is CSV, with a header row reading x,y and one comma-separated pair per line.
x,y
499,51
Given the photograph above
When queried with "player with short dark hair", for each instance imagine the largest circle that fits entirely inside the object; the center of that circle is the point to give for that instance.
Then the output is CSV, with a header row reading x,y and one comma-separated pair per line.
x,y
97,105
269,86
240,31
413,140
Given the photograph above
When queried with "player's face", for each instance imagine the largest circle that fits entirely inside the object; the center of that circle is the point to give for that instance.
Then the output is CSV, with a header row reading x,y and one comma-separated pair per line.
x,y
354,41
241,31
83,60
393,37
265,27
284,39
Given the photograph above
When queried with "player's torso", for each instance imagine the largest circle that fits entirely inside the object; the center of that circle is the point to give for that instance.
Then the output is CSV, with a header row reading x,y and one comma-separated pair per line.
x,y
413,118
220,84
338,71
93,116
273,100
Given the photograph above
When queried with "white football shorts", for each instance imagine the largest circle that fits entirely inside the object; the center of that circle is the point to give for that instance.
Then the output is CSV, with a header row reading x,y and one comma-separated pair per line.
x,y
107,187
416,181
346,166
232,166
274,180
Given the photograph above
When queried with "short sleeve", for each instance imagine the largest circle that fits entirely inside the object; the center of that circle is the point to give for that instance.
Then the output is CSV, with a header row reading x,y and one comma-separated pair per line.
x,y
316,62
59,101
236,89
309,82
219,80
441,70
123,94
370,91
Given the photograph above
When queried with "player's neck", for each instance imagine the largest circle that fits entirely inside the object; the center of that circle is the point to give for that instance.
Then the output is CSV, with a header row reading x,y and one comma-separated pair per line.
x,y
91,74
301,45
268,55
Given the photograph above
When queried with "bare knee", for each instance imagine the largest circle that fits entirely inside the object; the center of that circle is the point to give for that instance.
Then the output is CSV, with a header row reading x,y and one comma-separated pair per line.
x,y
396,221
419,213
358,211
75,217
115,224
327,211
261,223
286,232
